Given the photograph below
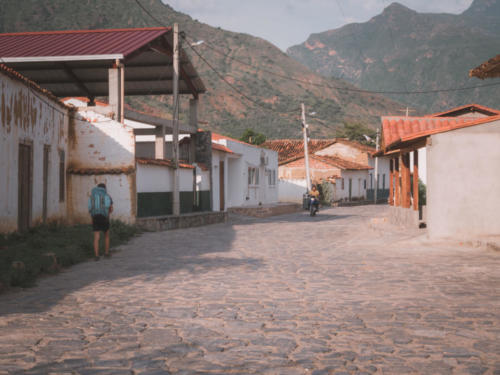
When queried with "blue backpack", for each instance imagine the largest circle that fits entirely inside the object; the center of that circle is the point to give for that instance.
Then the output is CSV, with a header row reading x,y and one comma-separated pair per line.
x,y
99,202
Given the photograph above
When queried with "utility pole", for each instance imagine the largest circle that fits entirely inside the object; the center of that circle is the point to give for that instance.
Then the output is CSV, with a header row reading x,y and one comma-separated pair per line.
x,y
407,111
175,122
306,152
375,193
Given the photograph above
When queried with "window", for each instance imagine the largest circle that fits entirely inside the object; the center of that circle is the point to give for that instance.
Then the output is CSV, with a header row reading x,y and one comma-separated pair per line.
x,y
342,184
253,176
383,181
364,185
378,180
62,176
371,181
271,177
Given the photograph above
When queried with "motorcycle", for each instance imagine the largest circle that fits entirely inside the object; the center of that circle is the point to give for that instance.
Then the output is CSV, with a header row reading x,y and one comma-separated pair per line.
x,y
313,206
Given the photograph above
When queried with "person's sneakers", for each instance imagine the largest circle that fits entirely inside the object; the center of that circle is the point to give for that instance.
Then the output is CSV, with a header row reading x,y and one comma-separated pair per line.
x,y
96,258
107,255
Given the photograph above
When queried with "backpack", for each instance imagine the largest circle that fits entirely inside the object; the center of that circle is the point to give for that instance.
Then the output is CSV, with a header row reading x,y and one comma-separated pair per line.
x,y
97,202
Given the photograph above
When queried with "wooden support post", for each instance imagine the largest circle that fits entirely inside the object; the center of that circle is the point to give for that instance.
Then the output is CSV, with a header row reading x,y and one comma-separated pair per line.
x,y
391,182
116,90
406,181
415,180
397,187
175,132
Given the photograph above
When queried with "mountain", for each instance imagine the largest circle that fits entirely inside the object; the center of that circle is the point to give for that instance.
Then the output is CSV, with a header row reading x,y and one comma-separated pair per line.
x,y
221,108
403,50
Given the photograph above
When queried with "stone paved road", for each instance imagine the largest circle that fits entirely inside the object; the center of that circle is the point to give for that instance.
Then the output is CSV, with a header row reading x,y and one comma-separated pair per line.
x,y
286,295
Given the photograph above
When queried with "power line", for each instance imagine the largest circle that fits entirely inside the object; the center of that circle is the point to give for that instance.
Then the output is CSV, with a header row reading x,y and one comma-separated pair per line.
x,y
347,88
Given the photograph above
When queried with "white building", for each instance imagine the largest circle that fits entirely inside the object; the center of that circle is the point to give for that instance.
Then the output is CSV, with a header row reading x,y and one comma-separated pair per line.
x,y
243,174
33,154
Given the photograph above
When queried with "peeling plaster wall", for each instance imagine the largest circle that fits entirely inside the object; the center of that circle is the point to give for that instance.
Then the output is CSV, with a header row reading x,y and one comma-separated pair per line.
x,y
107,146
25,118
345,152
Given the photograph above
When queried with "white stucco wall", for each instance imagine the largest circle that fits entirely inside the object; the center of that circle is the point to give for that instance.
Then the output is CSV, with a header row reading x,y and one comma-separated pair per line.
x,y
291,190
358,190
154,178
238,192
25,118
463,199
107,146
120,187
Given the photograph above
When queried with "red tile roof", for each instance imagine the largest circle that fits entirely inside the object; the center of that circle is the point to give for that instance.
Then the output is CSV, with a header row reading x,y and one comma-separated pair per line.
x,y
77,42
100,171
19,77
291,148
341,163
165,163
219,137
488,69
466,109
219,147
334,161
396,130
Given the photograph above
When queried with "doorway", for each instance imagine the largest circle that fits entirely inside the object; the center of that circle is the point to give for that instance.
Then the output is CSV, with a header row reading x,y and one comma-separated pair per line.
x,y
25,181
221,186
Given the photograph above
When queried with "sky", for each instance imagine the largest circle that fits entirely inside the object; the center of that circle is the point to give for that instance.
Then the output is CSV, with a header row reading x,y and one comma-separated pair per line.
x,y
289,22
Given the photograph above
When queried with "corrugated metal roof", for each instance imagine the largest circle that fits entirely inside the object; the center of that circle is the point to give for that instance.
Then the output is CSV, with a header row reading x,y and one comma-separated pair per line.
x,y
77,42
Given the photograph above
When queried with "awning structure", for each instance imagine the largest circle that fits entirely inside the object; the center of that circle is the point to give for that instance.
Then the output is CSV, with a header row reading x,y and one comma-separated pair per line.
x,y
76,63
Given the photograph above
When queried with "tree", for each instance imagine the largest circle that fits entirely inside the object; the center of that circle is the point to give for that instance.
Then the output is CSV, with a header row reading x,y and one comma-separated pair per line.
x,y
355,131
252,137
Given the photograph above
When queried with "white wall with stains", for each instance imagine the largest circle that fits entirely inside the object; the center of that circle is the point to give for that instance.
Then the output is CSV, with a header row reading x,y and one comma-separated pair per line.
x,y
32,117
101,150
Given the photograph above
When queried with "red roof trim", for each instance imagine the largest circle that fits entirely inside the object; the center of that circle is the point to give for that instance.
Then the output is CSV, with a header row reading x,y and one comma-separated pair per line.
x,y
85,31
162,163
19,77
478,107
222,148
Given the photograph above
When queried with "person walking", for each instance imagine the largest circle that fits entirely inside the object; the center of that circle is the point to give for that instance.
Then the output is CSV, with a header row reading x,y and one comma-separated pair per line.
x,y
100,207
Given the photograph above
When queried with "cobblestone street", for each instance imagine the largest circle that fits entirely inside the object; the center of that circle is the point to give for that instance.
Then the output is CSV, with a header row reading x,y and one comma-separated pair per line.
x,y
333,294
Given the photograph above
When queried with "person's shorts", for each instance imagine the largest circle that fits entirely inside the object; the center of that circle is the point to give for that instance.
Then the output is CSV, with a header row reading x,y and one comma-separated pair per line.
x,y
100,223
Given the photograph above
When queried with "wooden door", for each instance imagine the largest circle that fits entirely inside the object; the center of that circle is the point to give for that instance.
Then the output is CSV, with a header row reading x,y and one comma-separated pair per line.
x,y
46,156
221,186
350,188
25,181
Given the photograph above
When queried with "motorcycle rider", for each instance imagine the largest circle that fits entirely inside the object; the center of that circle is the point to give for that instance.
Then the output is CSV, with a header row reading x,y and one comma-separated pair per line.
x,y
314,194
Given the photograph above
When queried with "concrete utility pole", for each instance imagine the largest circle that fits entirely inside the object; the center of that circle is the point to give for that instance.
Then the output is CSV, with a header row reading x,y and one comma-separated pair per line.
x,y
375,193
306,152
175,130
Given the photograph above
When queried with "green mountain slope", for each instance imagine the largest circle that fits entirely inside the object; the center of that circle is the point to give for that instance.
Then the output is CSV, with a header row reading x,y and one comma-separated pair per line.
x,y
222,109
402,50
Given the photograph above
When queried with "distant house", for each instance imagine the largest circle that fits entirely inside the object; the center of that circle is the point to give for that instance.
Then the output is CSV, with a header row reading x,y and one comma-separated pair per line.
x,y
463,153
33,152
243,174
346,166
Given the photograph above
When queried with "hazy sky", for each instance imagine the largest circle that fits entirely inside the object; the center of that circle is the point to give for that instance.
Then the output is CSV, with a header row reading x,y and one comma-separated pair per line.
x,y
289,22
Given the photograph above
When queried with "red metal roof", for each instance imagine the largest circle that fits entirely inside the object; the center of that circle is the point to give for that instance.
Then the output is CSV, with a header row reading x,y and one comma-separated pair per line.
x,y
77,42
396,130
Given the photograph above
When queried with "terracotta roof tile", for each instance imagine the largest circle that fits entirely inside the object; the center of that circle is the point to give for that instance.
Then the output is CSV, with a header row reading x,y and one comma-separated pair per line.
x,y
396,130
219,147
100,171
341,163
466,108
219,137
161,162
291,148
